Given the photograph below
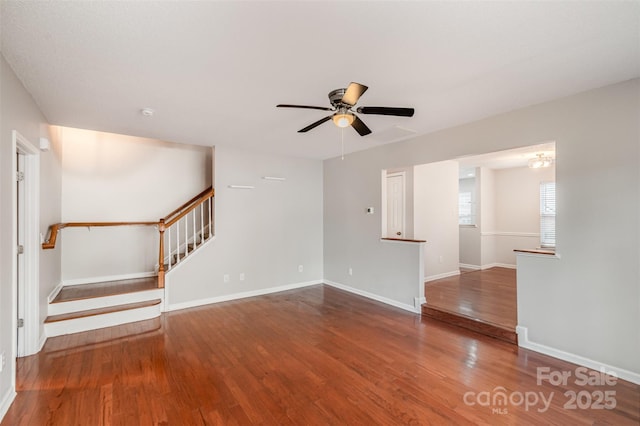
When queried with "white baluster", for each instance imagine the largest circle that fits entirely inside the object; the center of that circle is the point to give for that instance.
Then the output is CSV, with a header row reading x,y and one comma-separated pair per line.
x,y
201,223
169,247
193,236
186,234
210,218
177,241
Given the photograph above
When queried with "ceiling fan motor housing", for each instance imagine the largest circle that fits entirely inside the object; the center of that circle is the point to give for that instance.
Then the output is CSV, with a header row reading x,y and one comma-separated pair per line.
x,y
335,97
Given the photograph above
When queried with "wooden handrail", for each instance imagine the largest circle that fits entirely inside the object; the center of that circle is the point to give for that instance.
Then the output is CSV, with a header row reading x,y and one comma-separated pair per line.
x,y
188,208
53,229
207,193
163,224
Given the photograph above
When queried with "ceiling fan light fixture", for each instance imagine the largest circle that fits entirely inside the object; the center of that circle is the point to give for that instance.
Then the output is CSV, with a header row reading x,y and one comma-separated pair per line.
x,y
343,120
540,161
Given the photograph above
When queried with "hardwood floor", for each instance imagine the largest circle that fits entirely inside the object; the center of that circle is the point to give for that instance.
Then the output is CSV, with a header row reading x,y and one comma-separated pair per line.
x,y
304,357
488,295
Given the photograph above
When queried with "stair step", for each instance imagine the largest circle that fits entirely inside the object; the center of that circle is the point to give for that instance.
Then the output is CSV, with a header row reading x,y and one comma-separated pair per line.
x,y
101,311
474,324
102,289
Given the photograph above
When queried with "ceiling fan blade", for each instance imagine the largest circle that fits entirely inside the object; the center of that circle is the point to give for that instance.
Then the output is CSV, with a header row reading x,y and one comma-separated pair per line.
x,y
316,124
304,106
353,93
400,112
360,127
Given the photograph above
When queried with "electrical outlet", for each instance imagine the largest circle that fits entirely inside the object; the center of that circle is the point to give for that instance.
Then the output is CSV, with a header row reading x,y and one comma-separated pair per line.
x,y
441,259
300,268
226,278
241,276
3,361
350,271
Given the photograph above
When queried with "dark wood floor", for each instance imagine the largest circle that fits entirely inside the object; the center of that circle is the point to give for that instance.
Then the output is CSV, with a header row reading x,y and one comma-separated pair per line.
x,y
488,295
313,356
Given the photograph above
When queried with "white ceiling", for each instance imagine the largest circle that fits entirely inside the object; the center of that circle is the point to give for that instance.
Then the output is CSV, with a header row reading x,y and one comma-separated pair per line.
x,y
517,157
214,71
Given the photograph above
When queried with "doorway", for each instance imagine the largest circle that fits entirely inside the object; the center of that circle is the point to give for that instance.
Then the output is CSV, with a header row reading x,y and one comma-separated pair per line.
x,y
26,236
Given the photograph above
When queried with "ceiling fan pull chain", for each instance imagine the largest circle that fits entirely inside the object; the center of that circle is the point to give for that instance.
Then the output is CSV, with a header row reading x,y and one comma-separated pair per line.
x,y
342,134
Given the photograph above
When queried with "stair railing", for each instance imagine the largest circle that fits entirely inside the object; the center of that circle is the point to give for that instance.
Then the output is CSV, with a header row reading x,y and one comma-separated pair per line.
x,y
191,224
183,230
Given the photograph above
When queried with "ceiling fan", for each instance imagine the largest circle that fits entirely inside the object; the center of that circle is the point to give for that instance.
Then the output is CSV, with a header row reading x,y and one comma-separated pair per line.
x,y
342,101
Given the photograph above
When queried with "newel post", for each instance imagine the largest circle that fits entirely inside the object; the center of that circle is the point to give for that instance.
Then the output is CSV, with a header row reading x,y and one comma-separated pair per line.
x,y
161,255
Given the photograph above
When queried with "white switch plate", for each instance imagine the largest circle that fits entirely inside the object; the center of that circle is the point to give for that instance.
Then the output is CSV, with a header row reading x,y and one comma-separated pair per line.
x,y
242,276
226,278
300,268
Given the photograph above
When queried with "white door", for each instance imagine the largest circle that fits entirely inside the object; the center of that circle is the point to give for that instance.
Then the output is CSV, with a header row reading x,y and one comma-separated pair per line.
x,y
395,205
20,244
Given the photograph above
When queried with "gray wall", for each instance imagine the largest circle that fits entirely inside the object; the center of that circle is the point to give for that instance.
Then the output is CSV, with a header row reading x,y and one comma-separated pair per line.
x,y
19,112
585,303
265,233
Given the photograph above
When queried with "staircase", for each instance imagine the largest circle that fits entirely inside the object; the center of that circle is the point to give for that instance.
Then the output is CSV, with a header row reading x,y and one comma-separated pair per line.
x,y
85,307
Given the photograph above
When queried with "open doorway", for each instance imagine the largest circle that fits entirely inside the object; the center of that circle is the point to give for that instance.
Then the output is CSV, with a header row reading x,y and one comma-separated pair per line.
x,y
506,202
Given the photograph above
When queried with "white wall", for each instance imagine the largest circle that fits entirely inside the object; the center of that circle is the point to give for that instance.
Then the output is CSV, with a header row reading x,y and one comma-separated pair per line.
x,y
19,112
588,301
436,217
108,177
517,210
265,233
487,216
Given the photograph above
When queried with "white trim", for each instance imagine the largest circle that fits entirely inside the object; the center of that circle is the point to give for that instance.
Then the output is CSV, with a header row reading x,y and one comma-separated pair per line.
x,y
107,278
418,302
443,275
31,330
509,234
378,298
524,342
43,340
54,292
469,266
6,401
234,296
497,265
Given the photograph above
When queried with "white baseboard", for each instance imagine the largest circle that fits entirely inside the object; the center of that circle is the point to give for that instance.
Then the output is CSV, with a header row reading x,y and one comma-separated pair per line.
x,y
524,342
106,278
227,297
42,341
6,401
443,275
378,298
469,266
54,292
498,265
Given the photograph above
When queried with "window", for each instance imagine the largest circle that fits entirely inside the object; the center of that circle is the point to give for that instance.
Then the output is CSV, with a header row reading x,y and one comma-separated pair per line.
x,y
548,214
466,209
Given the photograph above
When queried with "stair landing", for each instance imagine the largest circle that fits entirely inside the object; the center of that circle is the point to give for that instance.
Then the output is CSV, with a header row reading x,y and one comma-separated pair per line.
x,y
110,288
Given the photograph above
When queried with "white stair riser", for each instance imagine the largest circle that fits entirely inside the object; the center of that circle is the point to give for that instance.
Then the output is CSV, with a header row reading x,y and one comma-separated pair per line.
x,y
104,302
95,322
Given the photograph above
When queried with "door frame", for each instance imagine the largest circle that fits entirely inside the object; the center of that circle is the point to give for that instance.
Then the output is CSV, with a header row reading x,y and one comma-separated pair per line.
x,y
29,291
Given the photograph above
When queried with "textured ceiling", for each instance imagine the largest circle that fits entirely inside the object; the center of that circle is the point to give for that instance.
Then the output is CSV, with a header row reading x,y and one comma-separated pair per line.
x,y
214,71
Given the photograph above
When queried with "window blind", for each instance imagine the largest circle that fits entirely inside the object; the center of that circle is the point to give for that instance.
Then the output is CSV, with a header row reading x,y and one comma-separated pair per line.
x,y
466,209
547,214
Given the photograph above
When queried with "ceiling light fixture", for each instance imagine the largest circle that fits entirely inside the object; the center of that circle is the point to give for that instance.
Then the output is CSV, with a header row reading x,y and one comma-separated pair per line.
x,y
343,119
540,161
